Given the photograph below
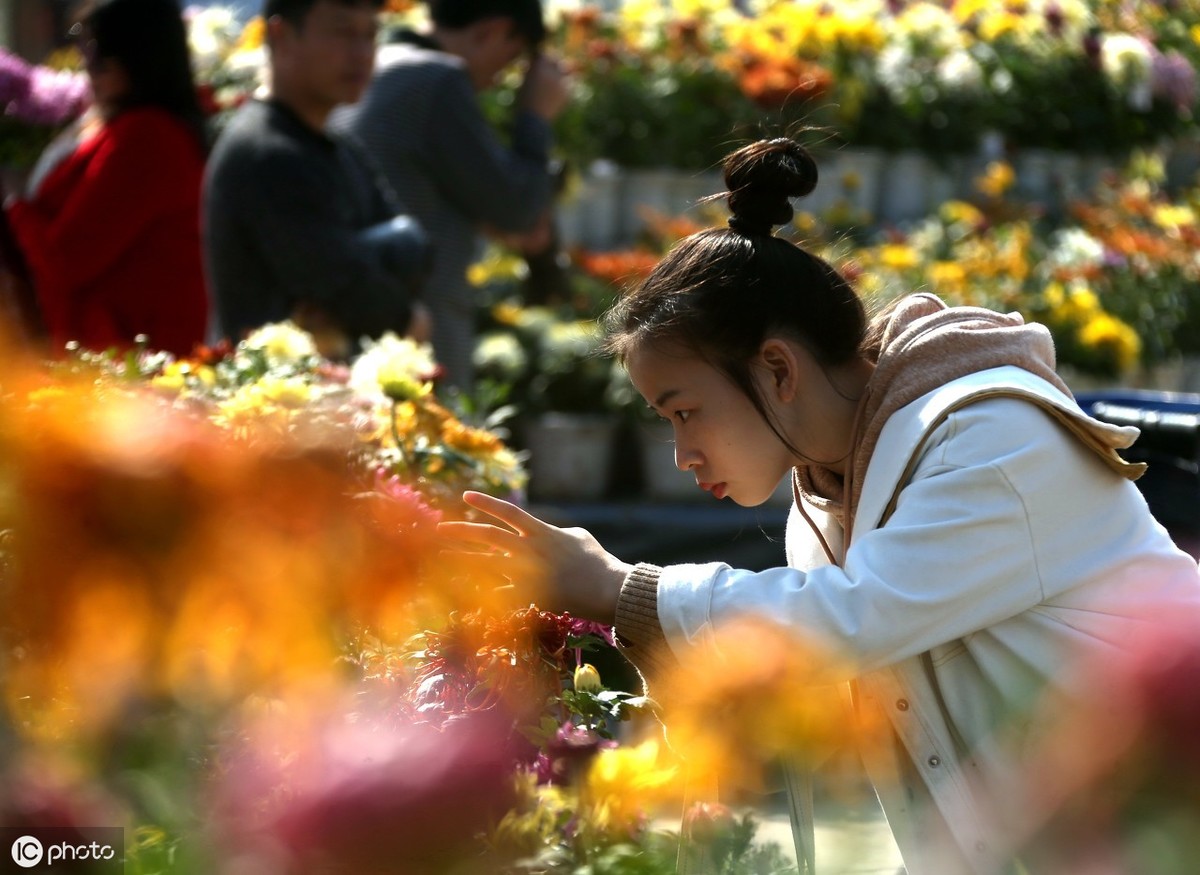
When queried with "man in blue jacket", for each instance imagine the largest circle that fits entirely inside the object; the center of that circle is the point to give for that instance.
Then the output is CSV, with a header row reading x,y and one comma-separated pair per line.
x,y
422,122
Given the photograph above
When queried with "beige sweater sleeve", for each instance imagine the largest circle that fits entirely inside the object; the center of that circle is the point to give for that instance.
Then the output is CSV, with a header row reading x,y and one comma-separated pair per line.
x,y
638,632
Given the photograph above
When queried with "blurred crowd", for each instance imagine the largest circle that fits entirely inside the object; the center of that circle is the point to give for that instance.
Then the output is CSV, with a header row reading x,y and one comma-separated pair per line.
x,y
350,197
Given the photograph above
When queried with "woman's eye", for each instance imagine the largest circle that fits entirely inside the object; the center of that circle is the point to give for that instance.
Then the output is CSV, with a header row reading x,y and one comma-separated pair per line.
x,y
682,415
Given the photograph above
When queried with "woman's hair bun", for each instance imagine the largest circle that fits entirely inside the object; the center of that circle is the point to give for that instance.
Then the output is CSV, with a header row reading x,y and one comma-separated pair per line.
x,y
762,178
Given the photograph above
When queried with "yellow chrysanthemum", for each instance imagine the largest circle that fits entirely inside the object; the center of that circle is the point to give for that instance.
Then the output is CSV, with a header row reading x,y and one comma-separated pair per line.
x,y
960,212
505,470
623,783
536,820
179,375
1172,217
47,395
282,342
473,441
291,393
997,23
587,679
997,178
497,265
965,10
67,58
397,367
1054,295
249,410
898,256
253,35
947,277
1105,331
1076,304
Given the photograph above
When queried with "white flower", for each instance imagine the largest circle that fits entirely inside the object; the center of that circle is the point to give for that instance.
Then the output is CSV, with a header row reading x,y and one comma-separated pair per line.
x,y
896,71
1075,248
932,25
1128,64
282,342
212,34
960,72
391,359
500,353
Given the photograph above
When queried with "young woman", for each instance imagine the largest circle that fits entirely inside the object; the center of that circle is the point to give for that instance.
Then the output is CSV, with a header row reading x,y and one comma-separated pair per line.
x,y
111,227
962,530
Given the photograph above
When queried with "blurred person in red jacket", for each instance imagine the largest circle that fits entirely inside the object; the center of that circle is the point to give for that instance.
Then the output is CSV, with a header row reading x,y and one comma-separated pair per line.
x,y
109,220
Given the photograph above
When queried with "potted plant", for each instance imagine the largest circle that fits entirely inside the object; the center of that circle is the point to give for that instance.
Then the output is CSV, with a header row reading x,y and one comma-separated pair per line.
x,y
557,380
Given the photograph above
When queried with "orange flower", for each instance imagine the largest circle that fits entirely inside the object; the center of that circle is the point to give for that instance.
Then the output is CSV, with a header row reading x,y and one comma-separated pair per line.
x,y
618,268
759,694
774,84
154,555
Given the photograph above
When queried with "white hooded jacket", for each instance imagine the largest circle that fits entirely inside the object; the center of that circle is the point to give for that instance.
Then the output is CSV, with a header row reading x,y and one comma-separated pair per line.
x,y
997,556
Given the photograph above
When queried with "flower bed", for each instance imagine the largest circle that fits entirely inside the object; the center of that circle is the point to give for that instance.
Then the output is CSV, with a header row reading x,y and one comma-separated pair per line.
x,y
232,628
1114,277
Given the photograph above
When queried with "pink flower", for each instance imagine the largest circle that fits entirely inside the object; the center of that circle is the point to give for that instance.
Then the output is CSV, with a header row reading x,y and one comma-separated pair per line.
x,y
356,798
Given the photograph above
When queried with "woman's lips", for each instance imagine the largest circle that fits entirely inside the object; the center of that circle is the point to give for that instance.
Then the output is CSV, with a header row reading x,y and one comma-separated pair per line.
x,y
717,489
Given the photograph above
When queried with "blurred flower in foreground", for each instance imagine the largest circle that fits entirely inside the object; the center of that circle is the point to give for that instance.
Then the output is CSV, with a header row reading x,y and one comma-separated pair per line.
x,y
1123,769
354,798
152,555
732,713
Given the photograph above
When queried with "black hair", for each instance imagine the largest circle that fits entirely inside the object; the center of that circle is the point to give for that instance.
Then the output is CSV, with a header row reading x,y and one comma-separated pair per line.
x,y
148,38
720,293
526,15
295,11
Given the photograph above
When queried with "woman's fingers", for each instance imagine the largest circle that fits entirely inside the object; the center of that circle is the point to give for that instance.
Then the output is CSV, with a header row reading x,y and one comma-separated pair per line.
x,y
506,512
475,534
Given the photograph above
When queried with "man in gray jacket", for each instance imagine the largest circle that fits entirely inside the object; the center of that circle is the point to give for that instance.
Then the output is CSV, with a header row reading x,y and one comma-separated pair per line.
x,y
421,121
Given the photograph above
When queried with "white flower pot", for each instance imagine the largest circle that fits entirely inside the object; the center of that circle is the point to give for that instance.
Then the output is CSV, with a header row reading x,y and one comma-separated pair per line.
x,y
570,455
857,178
662,479
904,187
590,216
665,482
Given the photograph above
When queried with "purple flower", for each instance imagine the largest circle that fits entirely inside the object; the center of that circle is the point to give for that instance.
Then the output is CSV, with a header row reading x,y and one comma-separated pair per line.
x,y
1055,19
15,77
582,628
1114,259
354,798
55,97
1174,79
568,753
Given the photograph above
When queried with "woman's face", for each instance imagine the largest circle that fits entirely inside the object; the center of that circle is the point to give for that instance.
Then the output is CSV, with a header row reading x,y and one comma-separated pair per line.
x,y
720,436
108,78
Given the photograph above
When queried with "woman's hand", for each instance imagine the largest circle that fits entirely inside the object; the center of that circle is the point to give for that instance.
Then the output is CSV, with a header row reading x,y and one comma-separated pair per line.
x,y
583,578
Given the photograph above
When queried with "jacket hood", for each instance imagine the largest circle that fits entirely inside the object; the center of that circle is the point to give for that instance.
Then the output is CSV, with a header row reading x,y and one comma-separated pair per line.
x,y
918,345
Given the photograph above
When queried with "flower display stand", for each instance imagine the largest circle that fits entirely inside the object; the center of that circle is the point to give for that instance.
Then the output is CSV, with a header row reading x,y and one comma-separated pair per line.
x,y
858,173
662,478
590,212
905,183
570,455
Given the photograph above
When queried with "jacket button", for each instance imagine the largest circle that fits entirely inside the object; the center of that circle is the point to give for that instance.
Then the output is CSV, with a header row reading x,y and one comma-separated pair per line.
x,y
981,847
935,761
902,705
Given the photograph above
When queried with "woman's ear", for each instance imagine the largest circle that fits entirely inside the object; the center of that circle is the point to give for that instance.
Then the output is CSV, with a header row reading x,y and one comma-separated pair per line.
x,y
781,364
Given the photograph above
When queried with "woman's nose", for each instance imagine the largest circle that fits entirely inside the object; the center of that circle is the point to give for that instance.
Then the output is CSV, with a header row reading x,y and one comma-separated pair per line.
x,y
686,459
